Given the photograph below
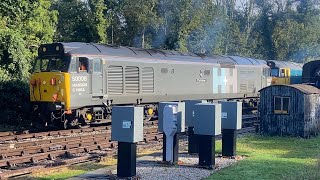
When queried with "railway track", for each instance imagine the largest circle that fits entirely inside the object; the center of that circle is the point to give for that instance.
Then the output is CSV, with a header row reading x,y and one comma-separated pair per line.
x,y
24,152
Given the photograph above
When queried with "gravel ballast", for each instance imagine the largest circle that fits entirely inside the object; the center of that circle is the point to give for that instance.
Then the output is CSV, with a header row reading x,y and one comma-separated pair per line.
x,y
150,167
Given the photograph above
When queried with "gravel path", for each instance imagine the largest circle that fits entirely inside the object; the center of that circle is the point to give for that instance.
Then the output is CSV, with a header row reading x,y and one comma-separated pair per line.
x,y
150,168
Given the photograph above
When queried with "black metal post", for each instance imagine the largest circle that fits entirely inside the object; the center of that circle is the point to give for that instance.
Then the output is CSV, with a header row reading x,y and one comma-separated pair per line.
x,y
229,141
192,141
127,158
175,148
206,151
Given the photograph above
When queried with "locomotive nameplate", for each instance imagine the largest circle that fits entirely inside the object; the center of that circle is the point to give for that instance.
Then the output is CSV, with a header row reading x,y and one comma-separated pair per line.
x,y
201,80
79,83
79,78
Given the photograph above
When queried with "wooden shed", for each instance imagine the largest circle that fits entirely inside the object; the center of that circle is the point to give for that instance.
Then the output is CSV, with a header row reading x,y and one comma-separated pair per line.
x,y
290,110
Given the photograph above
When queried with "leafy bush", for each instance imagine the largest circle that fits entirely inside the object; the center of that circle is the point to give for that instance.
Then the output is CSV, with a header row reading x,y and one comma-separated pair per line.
x,y
14,103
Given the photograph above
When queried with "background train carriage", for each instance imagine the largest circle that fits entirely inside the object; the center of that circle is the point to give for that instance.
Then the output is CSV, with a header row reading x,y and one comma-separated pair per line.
x,y
289,110
311,73
75,81
285,72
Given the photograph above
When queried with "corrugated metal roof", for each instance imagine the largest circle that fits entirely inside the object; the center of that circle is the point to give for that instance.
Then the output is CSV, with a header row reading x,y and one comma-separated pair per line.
x,y
306,89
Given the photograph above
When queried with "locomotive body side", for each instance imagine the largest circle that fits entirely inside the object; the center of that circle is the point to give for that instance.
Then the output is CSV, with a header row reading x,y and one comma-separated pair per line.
x,y
89,82
124,81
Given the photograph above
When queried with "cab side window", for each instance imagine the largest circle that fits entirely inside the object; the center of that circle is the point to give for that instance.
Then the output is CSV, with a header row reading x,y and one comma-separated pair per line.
x,y
83,64
96,65
283,73
73,65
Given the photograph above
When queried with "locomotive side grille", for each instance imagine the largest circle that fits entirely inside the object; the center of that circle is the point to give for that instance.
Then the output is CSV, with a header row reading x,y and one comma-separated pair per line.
x,y
132,80
147,80
250,86
115,80
243,87
231,88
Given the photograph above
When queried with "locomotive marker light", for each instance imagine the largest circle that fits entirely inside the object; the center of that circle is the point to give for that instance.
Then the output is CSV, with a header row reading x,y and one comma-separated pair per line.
x,y
180,124
192,138
207,125
231,118
127,129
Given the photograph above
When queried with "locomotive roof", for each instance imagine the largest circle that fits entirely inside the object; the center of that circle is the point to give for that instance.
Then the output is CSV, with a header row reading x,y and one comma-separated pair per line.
x,y
286,64
93,49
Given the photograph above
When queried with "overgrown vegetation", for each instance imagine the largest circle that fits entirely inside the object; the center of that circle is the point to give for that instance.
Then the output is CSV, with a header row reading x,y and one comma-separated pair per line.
x,y
275,29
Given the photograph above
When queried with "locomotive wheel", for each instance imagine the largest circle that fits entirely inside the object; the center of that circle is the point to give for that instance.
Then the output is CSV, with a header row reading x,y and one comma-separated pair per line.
x,y
81,122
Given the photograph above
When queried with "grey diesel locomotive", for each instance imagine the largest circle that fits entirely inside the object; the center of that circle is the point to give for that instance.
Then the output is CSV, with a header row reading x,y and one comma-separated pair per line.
x,y
77,83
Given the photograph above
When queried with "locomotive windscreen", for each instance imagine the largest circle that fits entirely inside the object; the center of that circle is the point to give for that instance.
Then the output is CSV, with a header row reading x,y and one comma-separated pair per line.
x,y
51,63
275,72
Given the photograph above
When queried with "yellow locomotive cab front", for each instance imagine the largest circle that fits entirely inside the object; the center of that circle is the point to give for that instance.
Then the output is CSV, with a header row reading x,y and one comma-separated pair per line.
x,y
51,87
280,76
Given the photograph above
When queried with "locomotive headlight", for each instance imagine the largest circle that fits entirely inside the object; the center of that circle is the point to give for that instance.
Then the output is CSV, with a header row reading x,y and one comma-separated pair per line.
x,y
33,82
39,81
58,107
53,81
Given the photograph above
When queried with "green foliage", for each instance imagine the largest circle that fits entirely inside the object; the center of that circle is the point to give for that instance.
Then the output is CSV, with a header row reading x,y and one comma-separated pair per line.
x,y
24,24
80,21
14,104
140,17
100,22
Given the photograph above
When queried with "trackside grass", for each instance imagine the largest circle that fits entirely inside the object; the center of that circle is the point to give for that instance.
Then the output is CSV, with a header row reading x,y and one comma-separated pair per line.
x,y
274,158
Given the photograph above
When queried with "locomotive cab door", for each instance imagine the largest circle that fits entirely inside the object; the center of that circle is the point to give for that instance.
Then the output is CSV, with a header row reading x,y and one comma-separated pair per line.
x,y
97,78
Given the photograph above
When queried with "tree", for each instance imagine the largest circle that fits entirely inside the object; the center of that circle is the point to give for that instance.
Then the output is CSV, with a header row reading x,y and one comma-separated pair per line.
x,y
100,22
140,17
24,25
81,21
